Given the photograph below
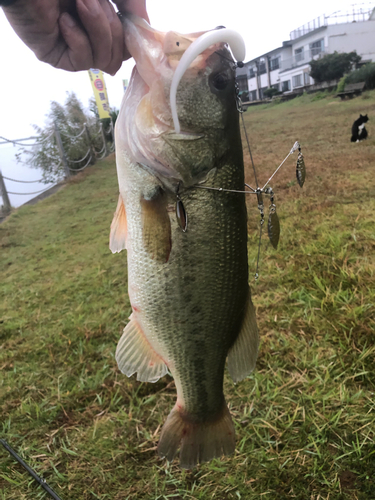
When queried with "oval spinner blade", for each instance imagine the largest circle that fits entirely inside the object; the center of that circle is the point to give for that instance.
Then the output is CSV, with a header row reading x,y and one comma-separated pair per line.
x,y
273,229
300,170
181,215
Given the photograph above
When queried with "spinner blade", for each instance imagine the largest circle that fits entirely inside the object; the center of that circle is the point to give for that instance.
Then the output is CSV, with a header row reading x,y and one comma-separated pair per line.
x,y
273,228
300,170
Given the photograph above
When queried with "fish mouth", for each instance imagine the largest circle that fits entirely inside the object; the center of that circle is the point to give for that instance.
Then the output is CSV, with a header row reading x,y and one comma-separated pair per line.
x,y
175,53
199,46
172,79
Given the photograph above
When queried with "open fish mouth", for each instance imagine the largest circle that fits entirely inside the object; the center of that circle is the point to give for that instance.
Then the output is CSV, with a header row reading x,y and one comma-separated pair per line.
x,y
177,51
202,43
168,89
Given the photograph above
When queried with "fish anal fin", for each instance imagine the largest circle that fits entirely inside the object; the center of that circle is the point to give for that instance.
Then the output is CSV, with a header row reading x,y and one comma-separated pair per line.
x,y
243,354
156,227
198,441
134,354
119,228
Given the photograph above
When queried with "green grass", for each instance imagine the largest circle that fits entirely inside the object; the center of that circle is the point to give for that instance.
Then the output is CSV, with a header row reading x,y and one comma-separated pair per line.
x,y
305,419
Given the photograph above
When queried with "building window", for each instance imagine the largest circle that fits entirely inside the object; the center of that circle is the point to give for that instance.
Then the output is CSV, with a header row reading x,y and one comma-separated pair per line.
x,y
299,54
275,86
251,72
262,67
242,83
275,63
306,79
317,47
253,95
285,86
297,81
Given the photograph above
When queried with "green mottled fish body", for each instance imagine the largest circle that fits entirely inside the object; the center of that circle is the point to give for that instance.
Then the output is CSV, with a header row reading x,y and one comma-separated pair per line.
x,y
188,275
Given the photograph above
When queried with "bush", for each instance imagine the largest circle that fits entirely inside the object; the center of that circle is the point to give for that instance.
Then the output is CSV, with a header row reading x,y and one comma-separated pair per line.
x,y
365,74
341,84
270,92
333,66
70,119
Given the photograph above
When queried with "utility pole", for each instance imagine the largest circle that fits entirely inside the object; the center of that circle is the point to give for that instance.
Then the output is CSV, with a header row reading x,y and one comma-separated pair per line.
x,y
62,152
4,194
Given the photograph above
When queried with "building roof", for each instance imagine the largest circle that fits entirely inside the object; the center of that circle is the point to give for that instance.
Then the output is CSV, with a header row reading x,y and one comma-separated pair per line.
x,y
358,13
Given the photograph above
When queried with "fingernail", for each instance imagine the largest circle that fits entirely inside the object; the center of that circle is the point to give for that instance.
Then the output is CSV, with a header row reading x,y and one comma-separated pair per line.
x,y
68,20
93,6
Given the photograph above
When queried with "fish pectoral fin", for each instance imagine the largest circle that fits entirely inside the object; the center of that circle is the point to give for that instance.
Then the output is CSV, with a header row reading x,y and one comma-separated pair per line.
x,y
243,353
156,227
119,228
135,354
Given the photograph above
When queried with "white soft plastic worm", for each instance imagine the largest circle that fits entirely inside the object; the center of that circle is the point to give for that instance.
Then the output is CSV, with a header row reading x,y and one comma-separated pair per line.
x,y
231,37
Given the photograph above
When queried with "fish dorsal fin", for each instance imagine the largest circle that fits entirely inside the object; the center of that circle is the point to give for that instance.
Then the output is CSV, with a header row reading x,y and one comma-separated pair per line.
x,y
243,354
134,354
119,228
156,227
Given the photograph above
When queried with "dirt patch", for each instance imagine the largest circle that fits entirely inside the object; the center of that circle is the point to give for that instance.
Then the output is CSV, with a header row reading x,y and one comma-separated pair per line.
x,y
348,480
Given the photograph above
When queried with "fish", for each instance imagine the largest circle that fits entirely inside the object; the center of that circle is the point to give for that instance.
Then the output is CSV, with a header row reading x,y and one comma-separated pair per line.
x,y
179,158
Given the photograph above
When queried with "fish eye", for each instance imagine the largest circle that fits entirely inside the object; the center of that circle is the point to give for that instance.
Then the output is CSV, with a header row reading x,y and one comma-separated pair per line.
x,y
220,81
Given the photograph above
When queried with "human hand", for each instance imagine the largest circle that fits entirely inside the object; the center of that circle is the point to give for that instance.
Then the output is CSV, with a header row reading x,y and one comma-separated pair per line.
x,y
74,35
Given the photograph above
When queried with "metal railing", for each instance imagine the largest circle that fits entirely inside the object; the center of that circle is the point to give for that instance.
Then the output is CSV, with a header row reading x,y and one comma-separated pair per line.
x,y
89,157
358,13
300,59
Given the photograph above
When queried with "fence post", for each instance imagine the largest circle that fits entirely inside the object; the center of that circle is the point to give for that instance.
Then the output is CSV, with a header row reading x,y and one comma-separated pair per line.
x,y
4,194
113,134
103,137
62,152
93,153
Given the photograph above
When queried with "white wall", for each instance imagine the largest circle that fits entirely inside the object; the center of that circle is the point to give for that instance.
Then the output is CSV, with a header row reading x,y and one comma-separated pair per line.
x,y
353,36
359,36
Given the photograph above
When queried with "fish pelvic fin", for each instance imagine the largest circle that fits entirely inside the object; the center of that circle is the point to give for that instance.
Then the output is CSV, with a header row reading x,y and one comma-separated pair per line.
x,y
119,228
243,354
198,441
156,227
134,354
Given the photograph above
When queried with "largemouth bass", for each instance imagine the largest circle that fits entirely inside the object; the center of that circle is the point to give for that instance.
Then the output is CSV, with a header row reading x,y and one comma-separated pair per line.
x,y
187,268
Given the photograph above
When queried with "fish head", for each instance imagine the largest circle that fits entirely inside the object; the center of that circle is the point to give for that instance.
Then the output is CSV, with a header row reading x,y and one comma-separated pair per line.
x,y
204,100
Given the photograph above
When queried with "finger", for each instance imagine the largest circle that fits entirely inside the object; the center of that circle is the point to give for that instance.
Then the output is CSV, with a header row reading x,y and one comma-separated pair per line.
x,y
117,38
98,30
77,56
137,7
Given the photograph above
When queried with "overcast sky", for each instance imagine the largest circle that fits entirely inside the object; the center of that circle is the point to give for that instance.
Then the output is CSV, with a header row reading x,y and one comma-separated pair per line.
x,y
27,85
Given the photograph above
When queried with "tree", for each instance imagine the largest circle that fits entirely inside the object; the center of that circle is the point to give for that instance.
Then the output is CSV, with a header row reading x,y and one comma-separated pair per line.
x,y
364,74
270,92
106,122
333,66
70,120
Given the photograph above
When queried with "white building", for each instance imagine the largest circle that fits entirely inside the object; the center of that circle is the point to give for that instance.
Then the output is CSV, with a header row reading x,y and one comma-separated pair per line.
x,y
287,67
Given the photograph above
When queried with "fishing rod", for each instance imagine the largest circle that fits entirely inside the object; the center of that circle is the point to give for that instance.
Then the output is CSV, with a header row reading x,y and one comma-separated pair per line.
x,y
38,479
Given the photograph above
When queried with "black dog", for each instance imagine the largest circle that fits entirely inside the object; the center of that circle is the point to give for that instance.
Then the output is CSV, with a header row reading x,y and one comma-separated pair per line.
x,y
359,131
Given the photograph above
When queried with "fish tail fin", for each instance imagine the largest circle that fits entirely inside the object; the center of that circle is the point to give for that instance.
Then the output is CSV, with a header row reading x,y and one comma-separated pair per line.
x,y
198,441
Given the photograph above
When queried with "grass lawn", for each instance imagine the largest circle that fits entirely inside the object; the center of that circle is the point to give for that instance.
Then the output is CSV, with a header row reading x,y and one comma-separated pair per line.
x,y
305,419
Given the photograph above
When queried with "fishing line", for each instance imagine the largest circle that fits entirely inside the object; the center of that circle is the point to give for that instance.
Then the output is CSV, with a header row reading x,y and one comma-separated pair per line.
x,y
248,145
226,190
